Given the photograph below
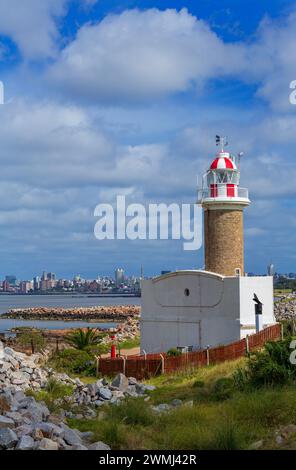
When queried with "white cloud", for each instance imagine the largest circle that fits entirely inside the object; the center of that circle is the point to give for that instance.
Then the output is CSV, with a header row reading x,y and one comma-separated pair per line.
x,y
140,54
33,25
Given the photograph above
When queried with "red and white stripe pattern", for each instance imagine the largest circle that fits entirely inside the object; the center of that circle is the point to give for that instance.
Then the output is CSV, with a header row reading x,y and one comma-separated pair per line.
x,y
223,163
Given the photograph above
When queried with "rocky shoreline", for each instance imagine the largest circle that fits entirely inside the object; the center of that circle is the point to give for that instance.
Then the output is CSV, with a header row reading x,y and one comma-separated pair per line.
x,y
112,313
26,424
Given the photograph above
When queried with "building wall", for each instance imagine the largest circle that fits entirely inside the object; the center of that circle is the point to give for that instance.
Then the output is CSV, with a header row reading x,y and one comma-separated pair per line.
x,y
224,241
208,316
218,310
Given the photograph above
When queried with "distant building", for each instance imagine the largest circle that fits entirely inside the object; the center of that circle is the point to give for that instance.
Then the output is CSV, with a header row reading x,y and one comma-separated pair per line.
x,y
5,286
11,280
26,286
270,270
119,276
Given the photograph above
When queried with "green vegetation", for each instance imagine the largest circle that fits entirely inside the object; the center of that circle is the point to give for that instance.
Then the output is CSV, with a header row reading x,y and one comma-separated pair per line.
x,y
32,338
82,339
129,343
54,395
227,406
270,366
74,361
174,352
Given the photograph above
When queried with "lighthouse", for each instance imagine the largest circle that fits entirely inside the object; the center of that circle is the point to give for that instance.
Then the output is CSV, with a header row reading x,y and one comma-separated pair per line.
x,y
192,309
223,202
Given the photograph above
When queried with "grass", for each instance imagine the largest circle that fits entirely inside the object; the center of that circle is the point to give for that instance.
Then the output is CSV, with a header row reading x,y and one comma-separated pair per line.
x,y
130,343
234,423
54,395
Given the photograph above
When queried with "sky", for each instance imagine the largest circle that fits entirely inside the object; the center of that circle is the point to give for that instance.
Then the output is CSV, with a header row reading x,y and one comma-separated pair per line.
x,y
107,98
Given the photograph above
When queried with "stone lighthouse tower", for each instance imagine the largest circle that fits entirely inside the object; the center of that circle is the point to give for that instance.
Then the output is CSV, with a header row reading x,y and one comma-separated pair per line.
x,y
223,201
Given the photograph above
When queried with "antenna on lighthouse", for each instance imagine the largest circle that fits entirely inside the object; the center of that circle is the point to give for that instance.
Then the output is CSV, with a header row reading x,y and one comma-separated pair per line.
x,y
221,140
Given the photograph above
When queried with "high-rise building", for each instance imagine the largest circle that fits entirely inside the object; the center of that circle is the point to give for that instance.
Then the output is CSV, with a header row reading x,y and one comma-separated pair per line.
x,y
119,276
270,269
11,280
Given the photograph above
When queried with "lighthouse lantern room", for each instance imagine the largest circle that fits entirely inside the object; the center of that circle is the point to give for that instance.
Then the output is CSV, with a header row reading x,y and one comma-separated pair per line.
x,y
221,181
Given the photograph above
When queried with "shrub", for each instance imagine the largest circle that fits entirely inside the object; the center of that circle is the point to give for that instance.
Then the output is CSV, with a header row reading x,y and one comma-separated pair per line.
x,y
33,339
133,412
53,395
223,388
74,361
81,339
226,437
271,366
174,352
198,384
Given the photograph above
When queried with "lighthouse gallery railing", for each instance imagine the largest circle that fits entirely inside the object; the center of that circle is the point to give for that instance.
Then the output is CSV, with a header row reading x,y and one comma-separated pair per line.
x,y
205,193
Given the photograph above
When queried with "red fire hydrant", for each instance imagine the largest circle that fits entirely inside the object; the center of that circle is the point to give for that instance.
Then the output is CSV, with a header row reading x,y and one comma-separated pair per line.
x,y
113,348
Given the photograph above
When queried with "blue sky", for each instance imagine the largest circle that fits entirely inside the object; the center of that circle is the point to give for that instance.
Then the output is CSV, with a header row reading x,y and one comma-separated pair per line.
x,y
105,98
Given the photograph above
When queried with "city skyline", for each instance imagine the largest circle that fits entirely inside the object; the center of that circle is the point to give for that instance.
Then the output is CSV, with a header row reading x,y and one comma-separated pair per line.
x,y
120,98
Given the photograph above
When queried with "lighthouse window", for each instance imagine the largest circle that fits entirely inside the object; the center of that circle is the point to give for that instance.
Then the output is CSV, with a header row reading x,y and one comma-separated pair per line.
x,y
187,292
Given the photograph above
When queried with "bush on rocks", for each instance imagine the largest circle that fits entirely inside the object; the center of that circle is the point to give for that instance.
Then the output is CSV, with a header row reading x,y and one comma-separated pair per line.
x,y
74,361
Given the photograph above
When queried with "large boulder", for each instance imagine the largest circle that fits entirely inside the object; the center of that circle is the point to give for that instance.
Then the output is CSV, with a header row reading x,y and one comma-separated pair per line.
x,y
99,446
105,393
26,443
48,444
6,422
120,382
8,438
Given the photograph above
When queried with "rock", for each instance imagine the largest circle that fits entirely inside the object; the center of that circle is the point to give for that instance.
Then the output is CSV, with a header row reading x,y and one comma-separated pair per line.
x,y
162,408
287,430
8,438
256,445
49,430
48,444
25,443
6,422
132,381
120,382
99,446
79,447
149,388
105,393
176,402
87,435
71,436
279,440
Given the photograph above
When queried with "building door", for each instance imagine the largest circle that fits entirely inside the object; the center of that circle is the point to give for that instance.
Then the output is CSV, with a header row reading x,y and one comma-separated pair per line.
x,y
189,334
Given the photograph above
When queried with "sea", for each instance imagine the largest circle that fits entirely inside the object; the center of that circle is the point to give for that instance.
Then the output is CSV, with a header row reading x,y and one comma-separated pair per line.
x,y
8,302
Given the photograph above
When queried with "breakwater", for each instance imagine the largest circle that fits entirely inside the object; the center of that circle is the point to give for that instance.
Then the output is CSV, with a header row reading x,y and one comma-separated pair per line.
x,y
108,313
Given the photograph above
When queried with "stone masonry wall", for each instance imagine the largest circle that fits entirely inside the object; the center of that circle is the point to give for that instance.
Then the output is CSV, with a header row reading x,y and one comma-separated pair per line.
x,y
224,241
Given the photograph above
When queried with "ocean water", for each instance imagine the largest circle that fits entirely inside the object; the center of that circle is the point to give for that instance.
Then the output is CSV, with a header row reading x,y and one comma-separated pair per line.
x,y
8,302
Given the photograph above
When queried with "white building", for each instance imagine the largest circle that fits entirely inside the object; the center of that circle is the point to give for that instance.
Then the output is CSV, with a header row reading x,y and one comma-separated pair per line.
x,y
200,309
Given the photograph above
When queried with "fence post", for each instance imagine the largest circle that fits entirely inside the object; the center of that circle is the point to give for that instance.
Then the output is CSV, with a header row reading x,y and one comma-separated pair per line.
x,y
247,344
98,363
208,355
282,331
124,365
162,363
